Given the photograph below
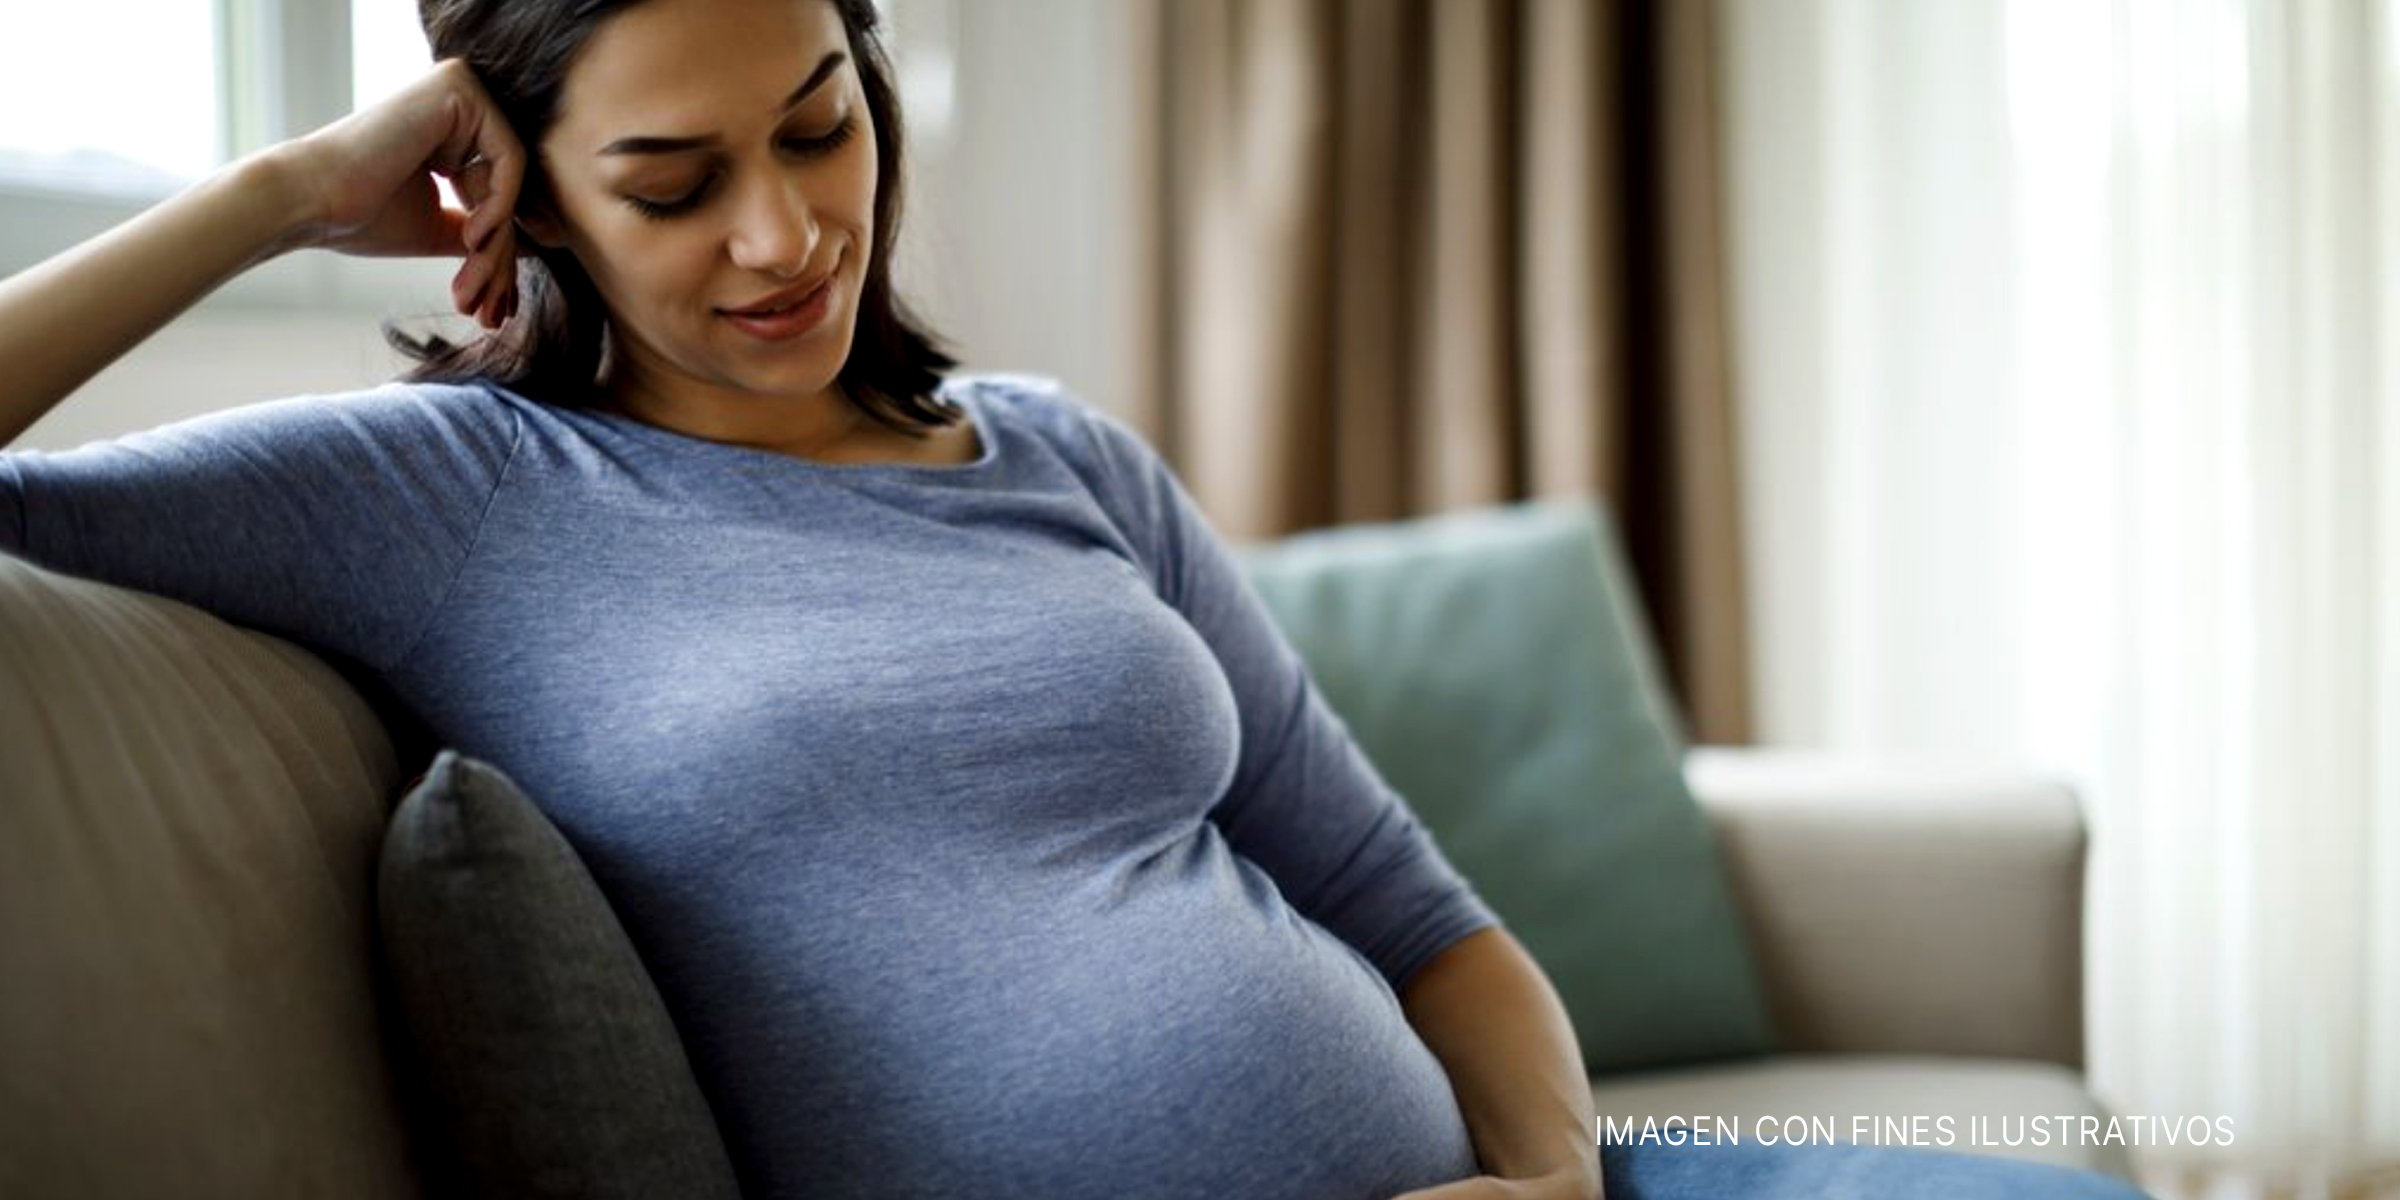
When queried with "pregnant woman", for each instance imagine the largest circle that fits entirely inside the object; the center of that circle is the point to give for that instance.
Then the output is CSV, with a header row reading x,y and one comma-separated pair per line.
x,y
983,836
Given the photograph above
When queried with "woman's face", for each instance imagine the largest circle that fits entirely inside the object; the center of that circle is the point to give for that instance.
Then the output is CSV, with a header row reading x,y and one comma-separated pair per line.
x,y
713,168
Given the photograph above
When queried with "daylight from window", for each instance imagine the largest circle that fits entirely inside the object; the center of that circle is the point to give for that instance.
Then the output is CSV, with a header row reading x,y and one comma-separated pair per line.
x,y
387,49
86,106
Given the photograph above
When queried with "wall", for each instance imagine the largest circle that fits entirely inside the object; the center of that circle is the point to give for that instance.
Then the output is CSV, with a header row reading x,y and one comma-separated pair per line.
x,y
1030,236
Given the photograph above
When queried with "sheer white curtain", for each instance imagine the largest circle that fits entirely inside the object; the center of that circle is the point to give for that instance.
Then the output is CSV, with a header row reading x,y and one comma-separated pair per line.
x,y
2069,343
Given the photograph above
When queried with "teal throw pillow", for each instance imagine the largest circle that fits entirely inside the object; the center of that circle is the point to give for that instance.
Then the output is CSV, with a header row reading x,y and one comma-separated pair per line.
x,y
1495,666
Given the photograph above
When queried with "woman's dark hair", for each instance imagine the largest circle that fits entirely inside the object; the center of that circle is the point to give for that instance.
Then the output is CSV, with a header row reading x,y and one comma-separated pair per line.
x,y
556,345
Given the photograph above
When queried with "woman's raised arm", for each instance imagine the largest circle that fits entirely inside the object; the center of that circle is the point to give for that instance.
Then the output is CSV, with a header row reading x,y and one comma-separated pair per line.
x,y
362,185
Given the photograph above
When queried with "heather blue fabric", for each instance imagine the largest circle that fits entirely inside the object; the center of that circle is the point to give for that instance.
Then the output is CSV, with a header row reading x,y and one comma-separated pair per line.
x,y
1752,1171
980,831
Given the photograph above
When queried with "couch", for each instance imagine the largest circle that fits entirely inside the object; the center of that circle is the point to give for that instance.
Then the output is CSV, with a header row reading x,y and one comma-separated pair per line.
x,y
190,815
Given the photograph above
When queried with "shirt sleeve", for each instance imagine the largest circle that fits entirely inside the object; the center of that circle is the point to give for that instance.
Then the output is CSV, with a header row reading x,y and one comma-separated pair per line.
x,y
338,521
1305,803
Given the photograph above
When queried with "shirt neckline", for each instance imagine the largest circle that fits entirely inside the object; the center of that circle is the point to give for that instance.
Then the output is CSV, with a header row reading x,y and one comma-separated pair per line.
x,y
966,395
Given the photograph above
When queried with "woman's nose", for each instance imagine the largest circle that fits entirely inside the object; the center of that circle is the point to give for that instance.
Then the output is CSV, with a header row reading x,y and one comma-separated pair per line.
x,y
775,229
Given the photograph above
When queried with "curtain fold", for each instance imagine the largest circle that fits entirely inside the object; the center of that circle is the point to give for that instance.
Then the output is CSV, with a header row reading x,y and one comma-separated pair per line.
x,y
2091,306
1423,255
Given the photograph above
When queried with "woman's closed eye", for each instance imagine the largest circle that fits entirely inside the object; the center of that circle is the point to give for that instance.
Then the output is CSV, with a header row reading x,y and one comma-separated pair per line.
x,y
803,148
824,143
660,210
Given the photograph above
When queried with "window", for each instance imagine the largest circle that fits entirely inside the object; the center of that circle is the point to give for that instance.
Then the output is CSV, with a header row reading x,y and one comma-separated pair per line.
x,y
108,108
86,108
387,49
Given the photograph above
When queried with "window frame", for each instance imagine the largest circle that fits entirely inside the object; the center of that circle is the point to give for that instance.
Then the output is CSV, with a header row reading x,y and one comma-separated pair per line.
x,y
283,70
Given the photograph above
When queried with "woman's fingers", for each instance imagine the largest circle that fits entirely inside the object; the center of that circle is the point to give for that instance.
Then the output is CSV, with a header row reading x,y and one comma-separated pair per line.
x,y
481,157
485,285
466,287
490,187
488,180
485,165
472,185
485,209
500,292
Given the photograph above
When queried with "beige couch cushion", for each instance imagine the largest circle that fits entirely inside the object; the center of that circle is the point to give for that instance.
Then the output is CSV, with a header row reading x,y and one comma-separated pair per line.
x,y
1839,1088
189,817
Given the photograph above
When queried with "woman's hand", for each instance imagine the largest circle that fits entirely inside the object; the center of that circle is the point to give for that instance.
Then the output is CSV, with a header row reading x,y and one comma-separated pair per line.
x,y
366,185
1490,1016
1565,1185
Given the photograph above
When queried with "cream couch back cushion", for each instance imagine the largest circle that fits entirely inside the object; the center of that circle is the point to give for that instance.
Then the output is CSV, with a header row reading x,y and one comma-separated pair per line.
x,y
189,819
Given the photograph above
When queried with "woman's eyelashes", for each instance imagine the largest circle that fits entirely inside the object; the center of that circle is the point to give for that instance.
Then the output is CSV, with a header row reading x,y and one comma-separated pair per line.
x,y
660,210
802,148
826,143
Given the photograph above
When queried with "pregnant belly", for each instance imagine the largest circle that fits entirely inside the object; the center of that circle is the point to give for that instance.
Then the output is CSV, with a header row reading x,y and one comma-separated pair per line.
x,y
1166,1032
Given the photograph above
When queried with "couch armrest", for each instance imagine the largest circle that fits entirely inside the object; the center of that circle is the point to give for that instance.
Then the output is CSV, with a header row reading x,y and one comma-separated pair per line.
x,y
1905,908
190,815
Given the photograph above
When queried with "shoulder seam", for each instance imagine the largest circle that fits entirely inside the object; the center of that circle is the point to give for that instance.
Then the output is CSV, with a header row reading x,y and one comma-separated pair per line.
x,y
1140,516
1104,464
433,612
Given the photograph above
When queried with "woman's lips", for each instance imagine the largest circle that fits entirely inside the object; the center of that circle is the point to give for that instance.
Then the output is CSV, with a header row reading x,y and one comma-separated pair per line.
x,y
776,324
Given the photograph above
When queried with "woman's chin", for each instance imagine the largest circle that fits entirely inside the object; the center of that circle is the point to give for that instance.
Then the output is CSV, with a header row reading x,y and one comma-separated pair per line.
x,y
804,367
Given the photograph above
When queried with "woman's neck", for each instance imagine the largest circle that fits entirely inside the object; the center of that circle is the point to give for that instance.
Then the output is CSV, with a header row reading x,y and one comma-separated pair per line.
x,y
816,427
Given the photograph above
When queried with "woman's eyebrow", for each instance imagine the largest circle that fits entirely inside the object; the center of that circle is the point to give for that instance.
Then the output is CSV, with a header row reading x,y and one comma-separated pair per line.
x,y
678,145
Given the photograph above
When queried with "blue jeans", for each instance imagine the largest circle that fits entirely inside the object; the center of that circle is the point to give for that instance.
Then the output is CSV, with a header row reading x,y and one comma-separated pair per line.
x,y
1755,1171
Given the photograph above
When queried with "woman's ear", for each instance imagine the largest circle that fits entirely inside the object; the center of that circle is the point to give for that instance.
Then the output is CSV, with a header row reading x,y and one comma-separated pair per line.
x,y
537,224
537,218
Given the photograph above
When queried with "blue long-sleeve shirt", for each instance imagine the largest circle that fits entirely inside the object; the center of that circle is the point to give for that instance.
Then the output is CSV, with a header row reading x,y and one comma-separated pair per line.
x,y
982,834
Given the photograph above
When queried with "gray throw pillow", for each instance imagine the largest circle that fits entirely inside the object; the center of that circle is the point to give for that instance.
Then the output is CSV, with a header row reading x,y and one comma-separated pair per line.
x,y
1494,665
540,1036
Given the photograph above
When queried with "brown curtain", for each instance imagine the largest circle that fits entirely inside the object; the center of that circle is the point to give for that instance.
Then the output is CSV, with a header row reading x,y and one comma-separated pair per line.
x,y
1419,255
